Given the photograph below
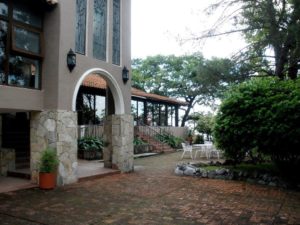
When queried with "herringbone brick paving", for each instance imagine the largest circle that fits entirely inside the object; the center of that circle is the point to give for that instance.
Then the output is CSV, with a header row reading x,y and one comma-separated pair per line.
x,y
152,195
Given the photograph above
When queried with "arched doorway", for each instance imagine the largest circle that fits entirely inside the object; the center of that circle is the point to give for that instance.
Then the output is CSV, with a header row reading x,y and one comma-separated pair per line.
x,y
117,126
111,83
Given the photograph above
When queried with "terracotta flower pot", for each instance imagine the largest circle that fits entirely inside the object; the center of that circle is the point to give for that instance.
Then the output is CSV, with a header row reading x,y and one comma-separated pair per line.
x,y
47,180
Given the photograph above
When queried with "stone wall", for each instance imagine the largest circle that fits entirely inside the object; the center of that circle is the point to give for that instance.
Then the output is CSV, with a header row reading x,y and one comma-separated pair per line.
x,y
55,129
118,135
7,160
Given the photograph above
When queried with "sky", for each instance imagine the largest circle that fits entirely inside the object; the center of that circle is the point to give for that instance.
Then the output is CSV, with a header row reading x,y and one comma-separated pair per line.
x,y
157,24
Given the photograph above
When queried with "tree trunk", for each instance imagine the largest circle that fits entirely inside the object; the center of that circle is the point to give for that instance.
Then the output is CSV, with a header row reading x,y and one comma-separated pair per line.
x,y
187,112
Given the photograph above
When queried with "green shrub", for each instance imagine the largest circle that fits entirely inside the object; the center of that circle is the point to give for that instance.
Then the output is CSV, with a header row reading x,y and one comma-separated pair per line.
x,y
138,141
90,143
169,139
261,115
199,139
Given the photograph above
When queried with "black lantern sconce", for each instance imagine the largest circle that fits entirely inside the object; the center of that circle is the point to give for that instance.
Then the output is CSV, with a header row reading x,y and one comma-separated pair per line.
x,y
71,60
125,74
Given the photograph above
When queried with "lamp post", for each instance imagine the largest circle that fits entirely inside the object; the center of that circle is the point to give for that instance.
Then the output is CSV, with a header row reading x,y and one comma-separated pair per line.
x,y
71,60
125,74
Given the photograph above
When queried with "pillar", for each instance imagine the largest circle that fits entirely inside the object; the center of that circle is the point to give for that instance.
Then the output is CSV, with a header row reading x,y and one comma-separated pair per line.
x,y
55,129
118,136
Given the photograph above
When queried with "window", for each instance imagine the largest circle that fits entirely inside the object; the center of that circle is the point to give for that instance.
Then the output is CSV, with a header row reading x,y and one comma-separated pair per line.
x,y
80,26
3,40
21,54
100,29
116,32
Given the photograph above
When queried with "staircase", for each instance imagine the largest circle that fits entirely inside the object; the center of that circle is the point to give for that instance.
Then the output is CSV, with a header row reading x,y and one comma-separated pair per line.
x,y
148,134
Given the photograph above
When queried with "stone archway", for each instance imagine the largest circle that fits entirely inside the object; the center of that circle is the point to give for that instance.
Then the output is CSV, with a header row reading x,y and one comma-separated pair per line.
x,y
118,128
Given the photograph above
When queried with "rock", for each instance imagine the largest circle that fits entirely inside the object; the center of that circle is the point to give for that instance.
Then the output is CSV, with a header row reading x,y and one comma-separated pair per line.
x,y
204,174
221,171
178,171
262,182
211,174
272,184
190,171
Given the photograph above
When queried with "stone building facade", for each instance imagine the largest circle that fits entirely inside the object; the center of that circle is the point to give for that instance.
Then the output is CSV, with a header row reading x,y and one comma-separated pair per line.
x,y
39,88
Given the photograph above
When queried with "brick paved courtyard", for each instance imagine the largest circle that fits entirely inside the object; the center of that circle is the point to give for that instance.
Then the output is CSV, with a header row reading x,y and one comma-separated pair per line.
x,y
152,195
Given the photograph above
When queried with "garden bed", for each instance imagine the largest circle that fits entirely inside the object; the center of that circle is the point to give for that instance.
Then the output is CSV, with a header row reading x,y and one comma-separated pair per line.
x,y
263,174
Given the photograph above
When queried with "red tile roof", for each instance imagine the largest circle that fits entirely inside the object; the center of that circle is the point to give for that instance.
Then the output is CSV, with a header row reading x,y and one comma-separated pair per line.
x,y
96,81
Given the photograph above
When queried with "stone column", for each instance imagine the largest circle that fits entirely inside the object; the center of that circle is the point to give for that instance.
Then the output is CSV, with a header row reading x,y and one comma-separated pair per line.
x,y
118,135
55,129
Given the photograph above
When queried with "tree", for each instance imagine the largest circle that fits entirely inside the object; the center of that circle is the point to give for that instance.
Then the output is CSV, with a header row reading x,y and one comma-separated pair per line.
x,y
272,30
205,123
189,77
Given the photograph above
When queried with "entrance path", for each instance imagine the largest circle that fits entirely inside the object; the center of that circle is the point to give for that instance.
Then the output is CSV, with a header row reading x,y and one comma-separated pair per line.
x,y
152,195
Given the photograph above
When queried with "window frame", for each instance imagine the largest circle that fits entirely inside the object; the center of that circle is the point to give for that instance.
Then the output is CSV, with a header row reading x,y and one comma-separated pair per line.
x,y
25,53
12,50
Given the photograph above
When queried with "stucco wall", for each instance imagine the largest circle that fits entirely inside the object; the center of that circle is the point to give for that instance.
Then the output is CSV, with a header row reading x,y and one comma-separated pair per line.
x,y
58,83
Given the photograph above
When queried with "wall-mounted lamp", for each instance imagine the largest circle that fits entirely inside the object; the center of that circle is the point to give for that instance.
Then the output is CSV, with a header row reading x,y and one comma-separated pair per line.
x,y
71,60
125,74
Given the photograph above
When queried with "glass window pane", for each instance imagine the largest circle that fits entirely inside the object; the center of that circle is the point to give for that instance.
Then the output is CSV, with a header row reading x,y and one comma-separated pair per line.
x,y
27,40
99,31
100,108
80,26
24,72
25,13
88,109
3,38
116,32
140,112
3,8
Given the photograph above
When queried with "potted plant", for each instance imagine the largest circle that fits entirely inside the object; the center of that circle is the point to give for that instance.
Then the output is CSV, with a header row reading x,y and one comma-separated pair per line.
x,y
47,169
90,148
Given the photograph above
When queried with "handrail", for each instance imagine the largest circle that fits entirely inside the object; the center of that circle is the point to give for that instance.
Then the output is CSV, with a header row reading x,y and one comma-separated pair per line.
x,y
151,133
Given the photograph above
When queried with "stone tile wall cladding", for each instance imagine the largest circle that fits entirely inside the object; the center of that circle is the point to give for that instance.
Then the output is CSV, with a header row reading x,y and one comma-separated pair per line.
x,y
118,134
7,160
55,129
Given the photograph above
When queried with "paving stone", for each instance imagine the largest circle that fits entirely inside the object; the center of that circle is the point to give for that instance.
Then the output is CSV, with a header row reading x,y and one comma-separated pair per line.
x,y
153,194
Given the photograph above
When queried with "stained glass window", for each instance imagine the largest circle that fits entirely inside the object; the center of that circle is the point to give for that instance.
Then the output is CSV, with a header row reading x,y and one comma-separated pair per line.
x,y
100,29
80,26
116,32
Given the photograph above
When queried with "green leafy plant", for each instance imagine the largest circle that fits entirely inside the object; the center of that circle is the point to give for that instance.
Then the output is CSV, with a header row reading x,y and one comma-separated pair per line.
x,y
199,139
169,139
138,141
49,161
90,143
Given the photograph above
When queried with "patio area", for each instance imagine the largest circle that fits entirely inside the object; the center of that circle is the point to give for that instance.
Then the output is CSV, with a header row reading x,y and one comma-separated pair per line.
x,y
152,195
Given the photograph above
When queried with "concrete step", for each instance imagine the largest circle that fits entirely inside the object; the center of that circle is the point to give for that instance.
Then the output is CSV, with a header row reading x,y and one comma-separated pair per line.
x,y
20,173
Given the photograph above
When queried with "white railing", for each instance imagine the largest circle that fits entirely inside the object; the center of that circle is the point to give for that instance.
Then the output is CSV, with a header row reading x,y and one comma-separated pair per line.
x,y
90,131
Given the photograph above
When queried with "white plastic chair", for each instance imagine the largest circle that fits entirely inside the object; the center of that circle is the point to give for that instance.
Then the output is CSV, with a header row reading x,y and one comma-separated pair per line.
x,y
188,149
214,151
202,149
